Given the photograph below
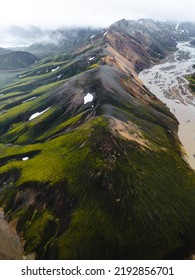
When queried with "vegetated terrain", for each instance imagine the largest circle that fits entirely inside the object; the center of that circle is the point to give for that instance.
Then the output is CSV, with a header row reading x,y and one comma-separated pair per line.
x,y
191,80
98,179
16,60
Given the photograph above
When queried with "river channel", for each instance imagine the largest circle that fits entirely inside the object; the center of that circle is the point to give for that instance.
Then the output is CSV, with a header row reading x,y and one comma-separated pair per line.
x,y
167,82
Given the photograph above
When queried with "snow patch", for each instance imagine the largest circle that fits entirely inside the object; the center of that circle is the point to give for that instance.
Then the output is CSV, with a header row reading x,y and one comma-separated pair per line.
x,y
106,33
88,98
177,26
25,158
91,58
59,76
92,36
38,114
27,100
55,69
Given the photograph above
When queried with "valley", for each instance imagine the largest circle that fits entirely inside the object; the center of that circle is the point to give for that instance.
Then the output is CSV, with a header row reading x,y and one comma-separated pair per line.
x,y
91,166
167,82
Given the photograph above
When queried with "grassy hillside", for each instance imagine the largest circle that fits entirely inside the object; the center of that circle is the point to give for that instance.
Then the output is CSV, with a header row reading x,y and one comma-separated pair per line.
x,y
16,60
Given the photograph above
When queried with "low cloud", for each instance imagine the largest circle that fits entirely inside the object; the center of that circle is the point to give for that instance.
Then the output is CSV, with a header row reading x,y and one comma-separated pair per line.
x,y
55,13
25,36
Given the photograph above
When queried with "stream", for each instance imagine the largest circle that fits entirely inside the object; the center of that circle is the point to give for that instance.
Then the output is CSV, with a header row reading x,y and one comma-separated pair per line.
x,y
166,81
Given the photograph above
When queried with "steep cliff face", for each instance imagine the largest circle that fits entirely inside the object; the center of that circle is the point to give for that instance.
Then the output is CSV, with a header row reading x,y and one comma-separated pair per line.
x,y
90,165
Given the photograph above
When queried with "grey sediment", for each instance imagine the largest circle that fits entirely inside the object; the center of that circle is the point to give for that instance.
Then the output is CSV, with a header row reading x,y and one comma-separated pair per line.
x,y
167,81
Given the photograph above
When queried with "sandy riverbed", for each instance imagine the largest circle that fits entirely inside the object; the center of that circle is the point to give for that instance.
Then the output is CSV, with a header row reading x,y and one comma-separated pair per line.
x,y
167,82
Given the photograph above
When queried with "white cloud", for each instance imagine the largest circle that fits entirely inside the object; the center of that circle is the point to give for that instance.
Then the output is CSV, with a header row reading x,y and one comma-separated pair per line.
x,y
53,13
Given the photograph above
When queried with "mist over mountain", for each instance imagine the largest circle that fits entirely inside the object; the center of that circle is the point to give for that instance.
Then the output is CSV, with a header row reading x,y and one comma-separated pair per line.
x,y
19,37
17,60
91,166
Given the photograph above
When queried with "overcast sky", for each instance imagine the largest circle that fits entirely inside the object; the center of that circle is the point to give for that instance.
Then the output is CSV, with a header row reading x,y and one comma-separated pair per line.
x,y
54,13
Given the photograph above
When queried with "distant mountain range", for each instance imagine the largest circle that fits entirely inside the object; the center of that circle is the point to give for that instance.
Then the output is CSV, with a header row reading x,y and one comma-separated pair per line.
x,y
67,38
91,166
16,59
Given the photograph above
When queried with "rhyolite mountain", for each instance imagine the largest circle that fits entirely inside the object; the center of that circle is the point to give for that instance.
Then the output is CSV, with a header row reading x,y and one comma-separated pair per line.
x,y
100,177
